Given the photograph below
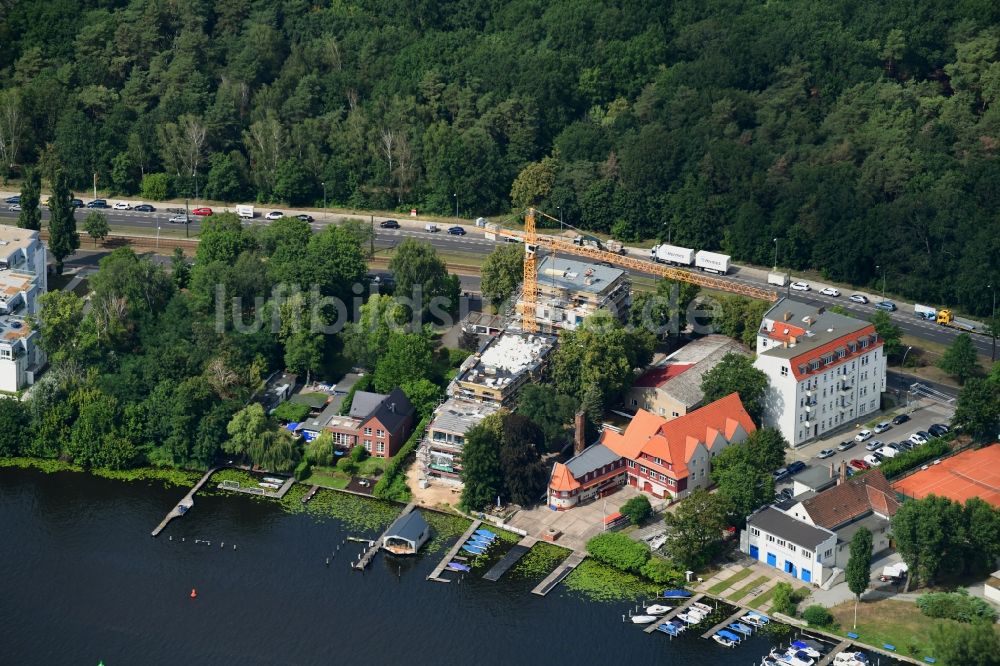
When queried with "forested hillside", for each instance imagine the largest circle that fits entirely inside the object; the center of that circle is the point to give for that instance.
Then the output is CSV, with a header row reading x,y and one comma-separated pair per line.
x,y
857,133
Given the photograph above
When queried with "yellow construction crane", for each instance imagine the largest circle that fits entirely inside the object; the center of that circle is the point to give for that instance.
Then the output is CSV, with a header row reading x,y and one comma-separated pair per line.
x,y
532,243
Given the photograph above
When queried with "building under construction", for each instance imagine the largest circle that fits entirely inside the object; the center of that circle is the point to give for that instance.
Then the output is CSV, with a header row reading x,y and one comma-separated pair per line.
x,y
571,290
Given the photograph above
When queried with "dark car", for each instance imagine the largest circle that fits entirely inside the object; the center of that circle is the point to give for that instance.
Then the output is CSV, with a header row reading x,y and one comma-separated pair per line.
x,y
389,224
938,429
780,474
844,446
98,203
144,208
304,217
900,418
926,435
783,495
905,445
76,203
456,231
796,467
16,199
888,306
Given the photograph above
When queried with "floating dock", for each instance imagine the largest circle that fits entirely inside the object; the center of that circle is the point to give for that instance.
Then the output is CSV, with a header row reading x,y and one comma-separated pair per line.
x,y
674,613
511,558
450,555
557,576
366,558
832,654
186,502
273,494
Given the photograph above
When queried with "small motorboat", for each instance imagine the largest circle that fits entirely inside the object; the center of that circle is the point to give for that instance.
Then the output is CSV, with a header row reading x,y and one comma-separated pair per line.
x,y
752,620
798,658
740,628
657,609
723,641
676,594
485,533
477,542
643,619
458,566
673,627
759,617
691,617
702,607
274,479
769,661
474,550
851,659
808,649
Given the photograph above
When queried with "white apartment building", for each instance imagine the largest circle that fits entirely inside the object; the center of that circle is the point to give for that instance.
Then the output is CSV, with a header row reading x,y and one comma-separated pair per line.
x,y
23,278
801,550
824,369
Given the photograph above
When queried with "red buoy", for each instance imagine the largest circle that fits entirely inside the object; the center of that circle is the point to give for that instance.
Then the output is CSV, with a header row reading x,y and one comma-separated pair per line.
x,y
194,593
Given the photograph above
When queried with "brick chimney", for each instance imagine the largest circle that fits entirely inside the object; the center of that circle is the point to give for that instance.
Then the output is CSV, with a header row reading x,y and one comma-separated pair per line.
x,y
579,432
843,472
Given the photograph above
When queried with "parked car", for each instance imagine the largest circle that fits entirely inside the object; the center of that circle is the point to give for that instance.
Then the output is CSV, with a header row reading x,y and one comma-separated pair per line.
x,y
888,451
431,228
900,419
800,286
122,205
888,306
456,231
829,291
862,436
14,207
98,203
780,473
178,219
796,467
14,199
882,427
926,435
938,429
304,217
389,224
873,459
76,203
918,439
144,208
202,210
874,445
859,464
859,298
274,215
783,495
844,446
905,445
825,453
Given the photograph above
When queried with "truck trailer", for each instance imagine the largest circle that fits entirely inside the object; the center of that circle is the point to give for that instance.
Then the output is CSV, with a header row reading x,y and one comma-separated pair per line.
x,y
672,254
945,317
712,262
245,212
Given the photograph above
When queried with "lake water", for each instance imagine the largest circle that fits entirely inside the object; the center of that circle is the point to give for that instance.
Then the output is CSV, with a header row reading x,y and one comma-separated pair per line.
x,y
86,582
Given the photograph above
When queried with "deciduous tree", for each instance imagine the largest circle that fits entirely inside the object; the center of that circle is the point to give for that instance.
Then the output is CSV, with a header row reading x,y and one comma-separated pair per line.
x,y
482,474
735,373
859,567
694,529
63,238
502,273
96,226
30,216
959,360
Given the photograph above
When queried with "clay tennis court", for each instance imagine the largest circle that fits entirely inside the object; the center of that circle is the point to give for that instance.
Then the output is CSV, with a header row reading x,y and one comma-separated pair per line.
x,y
969,474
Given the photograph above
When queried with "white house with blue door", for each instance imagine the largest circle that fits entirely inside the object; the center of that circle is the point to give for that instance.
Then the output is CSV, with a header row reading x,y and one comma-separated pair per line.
x,y
791,545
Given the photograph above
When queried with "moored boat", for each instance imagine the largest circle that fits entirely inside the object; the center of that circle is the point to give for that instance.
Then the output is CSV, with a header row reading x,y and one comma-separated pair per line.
x,y
702,607
723,641
658,609
458,566
643,619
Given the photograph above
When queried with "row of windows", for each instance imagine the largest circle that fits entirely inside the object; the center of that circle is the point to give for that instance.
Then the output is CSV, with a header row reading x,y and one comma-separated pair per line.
x,y
378,433
379,446
781,542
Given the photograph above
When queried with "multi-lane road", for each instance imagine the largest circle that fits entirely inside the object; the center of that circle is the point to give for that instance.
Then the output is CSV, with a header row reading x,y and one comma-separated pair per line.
x,y
474,242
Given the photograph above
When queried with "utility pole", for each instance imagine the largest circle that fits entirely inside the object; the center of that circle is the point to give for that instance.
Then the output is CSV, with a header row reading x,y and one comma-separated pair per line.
x,y
187,218
324,197
157,237
95,184
456,203
775,254
372,236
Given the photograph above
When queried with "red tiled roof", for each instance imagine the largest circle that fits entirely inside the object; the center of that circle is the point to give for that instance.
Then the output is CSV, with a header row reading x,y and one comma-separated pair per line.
x,y
830,347
675,441
852,499
562,478
969,474
655,377
778,331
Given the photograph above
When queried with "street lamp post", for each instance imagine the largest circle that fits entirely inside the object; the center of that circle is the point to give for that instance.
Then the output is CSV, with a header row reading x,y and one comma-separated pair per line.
x,y
324,197
883,280
775,254
993,322
456,204
559,208
157,237
187,218
903,362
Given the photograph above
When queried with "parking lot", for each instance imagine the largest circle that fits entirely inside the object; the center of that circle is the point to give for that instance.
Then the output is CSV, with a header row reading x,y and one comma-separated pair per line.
x,y
922,415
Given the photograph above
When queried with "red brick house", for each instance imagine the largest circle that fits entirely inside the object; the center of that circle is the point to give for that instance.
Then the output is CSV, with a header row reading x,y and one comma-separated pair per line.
x,y
380,423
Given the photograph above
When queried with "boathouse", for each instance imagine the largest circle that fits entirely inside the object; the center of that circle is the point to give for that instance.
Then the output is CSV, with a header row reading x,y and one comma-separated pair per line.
x,y
407,534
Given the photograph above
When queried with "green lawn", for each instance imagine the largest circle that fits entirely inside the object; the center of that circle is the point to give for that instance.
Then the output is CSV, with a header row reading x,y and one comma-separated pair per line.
x,y
745,590
729,582
327,477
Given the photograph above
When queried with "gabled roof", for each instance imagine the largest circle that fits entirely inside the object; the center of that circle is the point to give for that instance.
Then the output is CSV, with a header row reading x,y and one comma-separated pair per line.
x,y
856,497
408,527
365,403
562,478
590,459
660,374
782,525
392,410
676,441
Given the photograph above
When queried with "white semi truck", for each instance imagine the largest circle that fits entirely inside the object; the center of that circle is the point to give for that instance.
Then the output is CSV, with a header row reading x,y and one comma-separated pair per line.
x,y
672,254
712,262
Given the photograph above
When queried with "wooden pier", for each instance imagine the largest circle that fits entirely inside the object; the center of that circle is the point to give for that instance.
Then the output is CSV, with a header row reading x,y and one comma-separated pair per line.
x,y
722,625
557,576
262,492
674,613
366,558
309,495
511,558
450,555
186,502
832,654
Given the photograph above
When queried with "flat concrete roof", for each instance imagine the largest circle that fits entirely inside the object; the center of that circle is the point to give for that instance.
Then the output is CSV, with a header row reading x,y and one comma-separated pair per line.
x,y
574,275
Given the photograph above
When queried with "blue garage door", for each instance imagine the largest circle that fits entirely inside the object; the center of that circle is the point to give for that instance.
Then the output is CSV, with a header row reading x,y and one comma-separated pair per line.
x,y
772,560
790,569
755,552
807,575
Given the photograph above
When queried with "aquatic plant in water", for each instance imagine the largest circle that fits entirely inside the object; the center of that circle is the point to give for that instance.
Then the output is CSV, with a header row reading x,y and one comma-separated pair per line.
x,y
600,582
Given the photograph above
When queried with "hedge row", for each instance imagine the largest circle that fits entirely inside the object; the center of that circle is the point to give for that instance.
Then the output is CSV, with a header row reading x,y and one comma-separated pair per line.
x,y
392,484
909,459
956,606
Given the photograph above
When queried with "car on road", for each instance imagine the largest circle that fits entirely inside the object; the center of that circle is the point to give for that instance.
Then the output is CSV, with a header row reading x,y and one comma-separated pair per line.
x,y
389,224
873,459
14,207
780,474
144,208
882,427
938,429
178,219
829,291
98,203
888,306
825,453
431,228
859,464
14,199
274,215
859,298
800,286
456,231
844,446
304,217
863,436
796,467
900,419
918,439
122,205
202,210
76,203
874,445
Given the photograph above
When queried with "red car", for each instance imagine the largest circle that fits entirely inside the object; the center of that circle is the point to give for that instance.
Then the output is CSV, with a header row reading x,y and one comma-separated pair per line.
x,y
859,464
204,210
